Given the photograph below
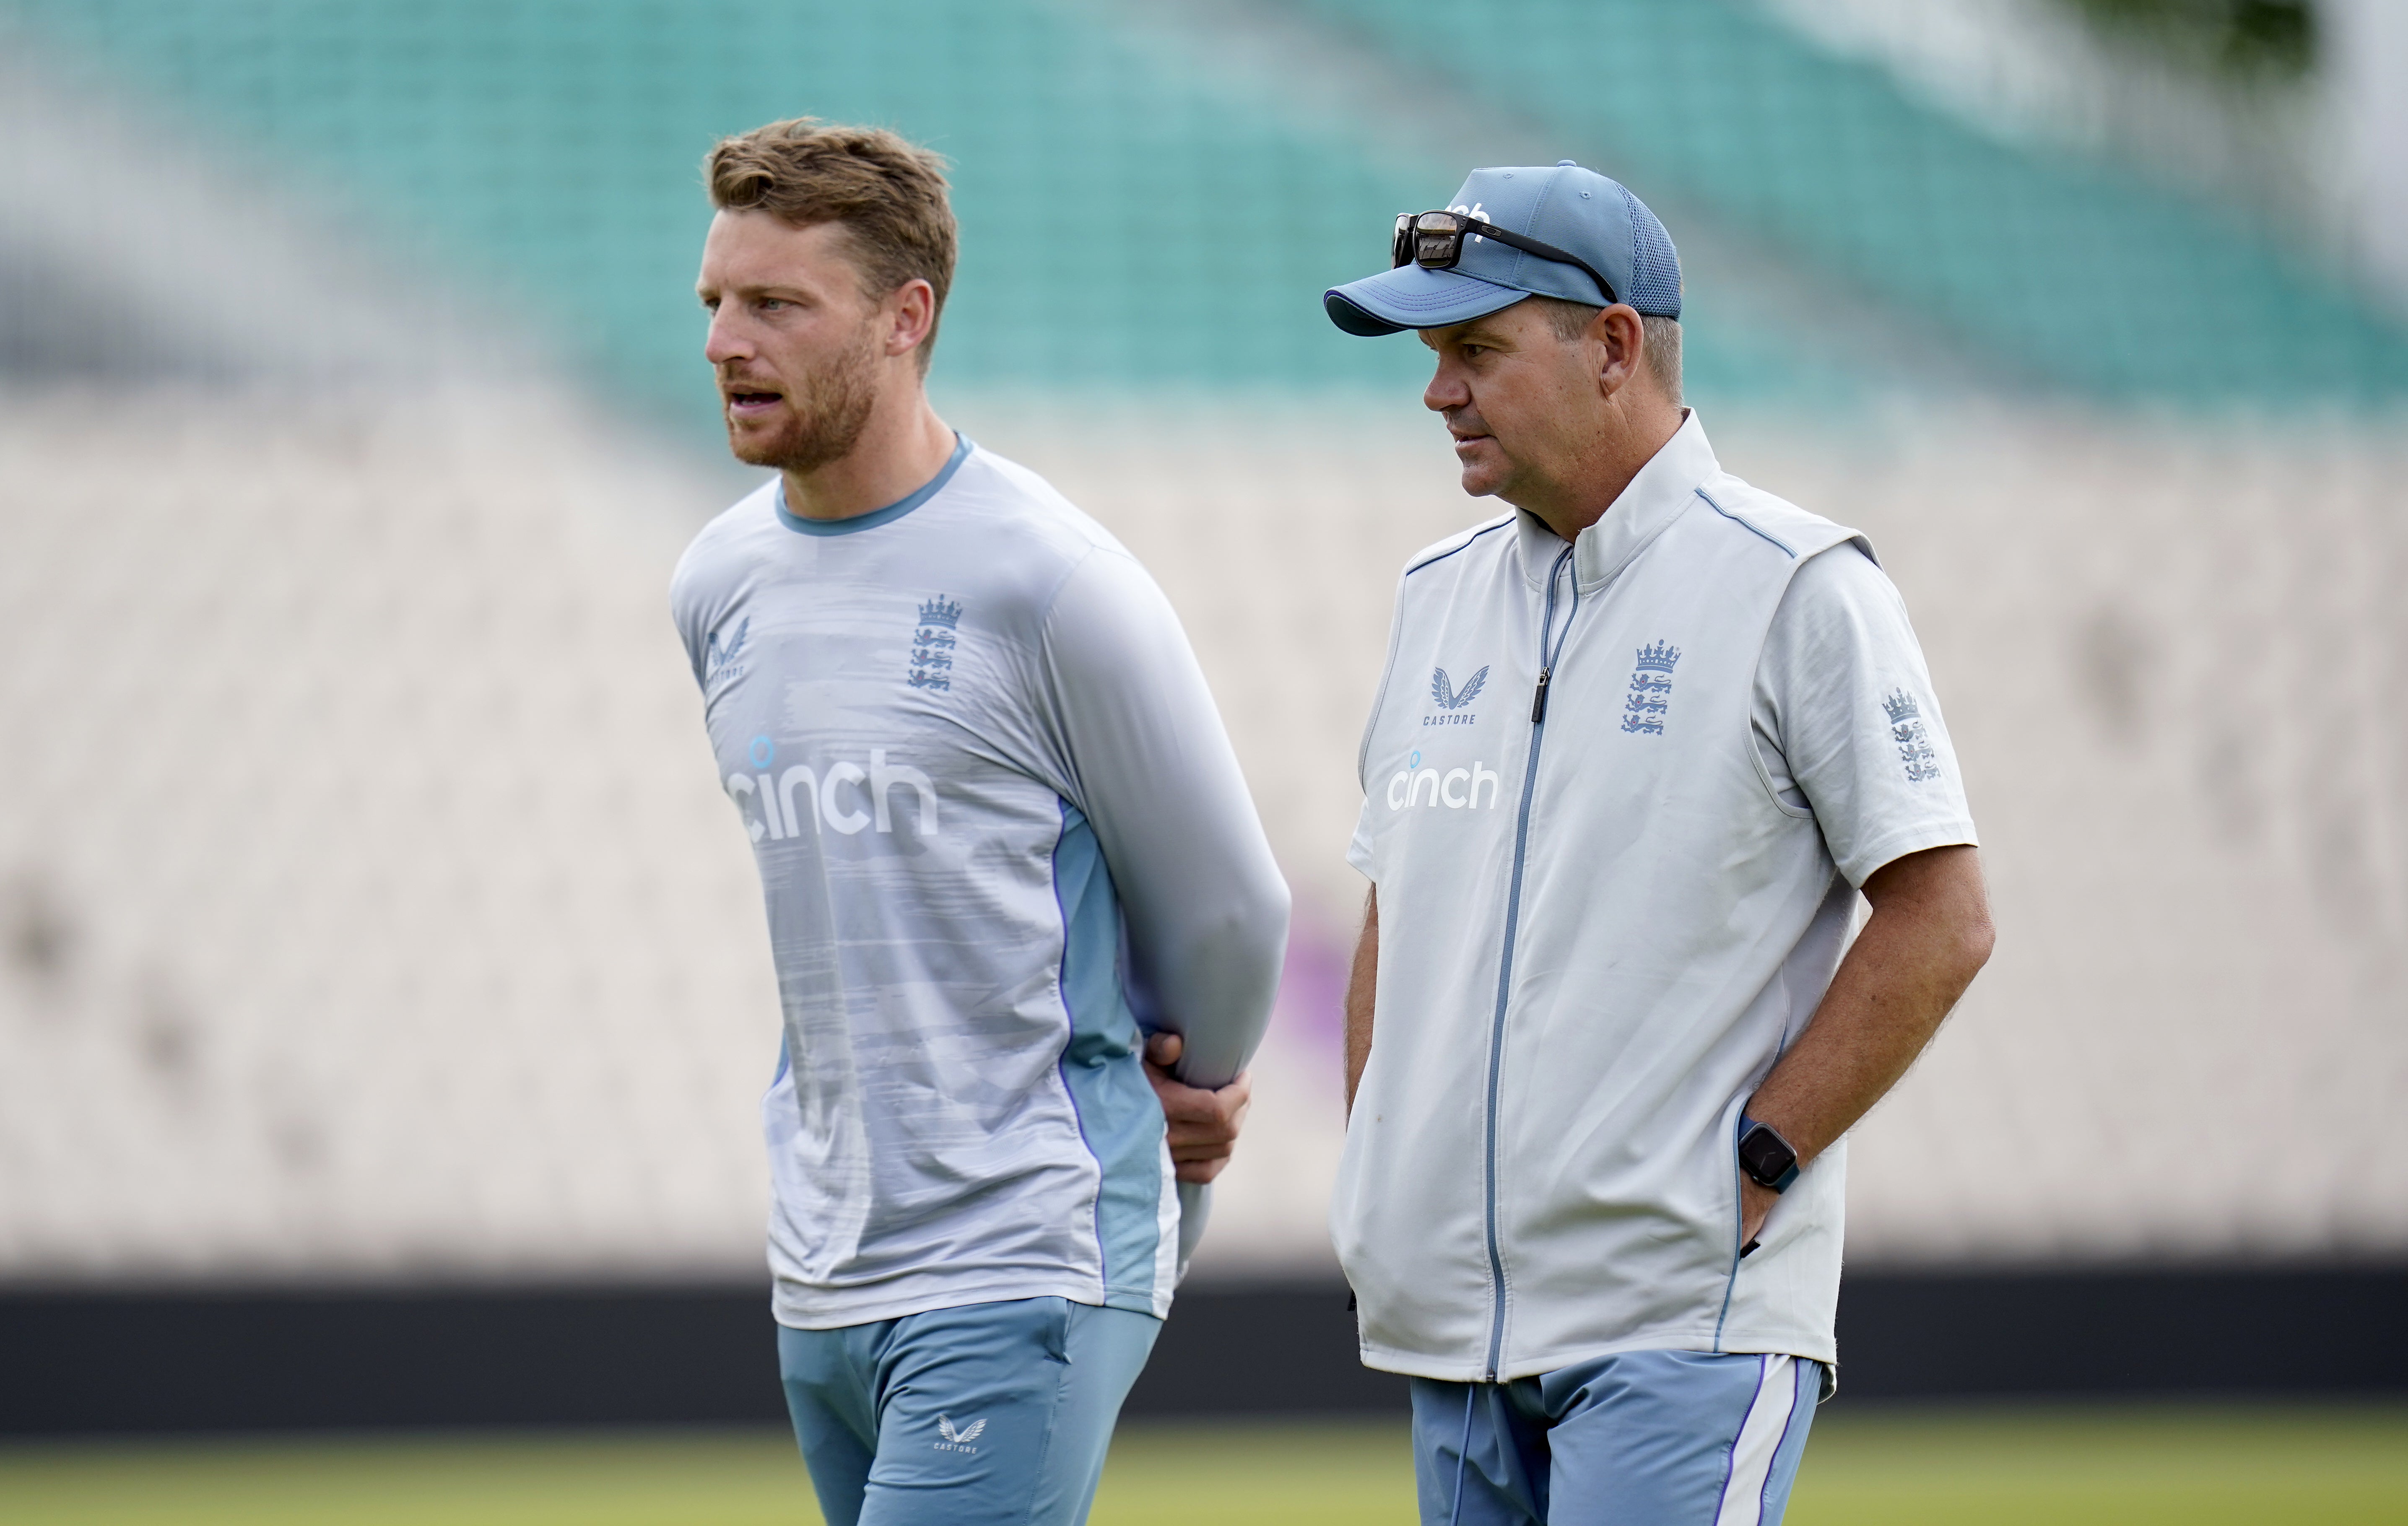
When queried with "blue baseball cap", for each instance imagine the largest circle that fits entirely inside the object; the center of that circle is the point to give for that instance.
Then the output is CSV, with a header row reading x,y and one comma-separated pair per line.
x,y
1577,210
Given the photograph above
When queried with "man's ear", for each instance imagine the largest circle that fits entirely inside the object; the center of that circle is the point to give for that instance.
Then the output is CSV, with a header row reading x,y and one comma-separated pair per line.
x,y
914,304
1622,343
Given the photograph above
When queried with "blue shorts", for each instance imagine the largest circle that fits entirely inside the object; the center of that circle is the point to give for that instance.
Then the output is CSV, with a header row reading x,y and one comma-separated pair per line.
x,y
1640,1438
986,1414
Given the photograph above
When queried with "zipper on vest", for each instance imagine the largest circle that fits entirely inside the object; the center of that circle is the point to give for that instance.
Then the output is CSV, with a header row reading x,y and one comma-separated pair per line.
x,y
1551,648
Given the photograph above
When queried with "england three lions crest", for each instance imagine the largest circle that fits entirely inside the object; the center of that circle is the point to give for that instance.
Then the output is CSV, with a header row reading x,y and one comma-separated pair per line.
x,y
1649,699
933,644
1915,753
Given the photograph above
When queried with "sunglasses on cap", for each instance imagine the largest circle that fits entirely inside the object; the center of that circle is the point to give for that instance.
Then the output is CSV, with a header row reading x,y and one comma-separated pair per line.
x,y
1434,241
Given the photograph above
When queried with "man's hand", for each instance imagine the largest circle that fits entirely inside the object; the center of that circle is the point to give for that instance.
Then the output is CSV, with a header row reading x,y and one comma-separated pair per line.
x,y
1204,1123
1756,1202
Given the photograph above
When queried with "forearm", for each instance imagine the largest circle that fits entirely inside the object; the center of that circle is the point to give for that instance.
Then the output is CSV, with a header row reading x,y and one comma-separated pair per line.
x,y
1361,982
1928,934
1214,983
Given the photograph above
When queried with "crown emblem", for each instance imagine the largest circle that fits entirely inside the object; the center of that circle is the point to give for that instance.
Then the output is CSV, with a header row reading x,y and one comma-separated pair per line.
x,y
1901,706
1660,657
941,611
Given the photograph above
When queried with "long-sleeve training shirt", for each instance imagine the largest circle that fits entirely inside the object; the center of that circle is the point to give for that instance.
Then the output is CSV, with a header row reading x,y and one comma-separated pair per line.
x,y
1002,835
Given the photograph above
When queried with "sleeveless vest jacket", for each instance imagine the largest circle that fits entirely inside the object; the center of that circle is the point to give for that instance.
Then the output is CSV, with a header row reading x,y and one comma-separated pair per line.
x,y
1600,927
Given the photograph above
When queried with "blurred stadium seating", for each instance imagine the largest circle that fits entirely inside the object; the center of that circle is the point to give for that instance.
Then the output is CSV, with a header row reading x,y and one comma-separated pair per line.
x,y
367,911
2064,273
549,153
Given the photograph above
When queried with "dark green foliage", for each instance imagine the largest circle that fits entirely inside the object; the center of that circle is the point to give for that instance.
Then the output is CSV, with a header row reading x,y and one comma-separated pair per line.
x,y
2241,39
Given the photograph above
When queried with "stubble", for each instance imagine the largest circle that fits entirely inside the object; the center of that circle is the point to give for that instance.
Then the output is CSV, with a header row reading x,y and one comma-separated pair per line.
x,y
826,413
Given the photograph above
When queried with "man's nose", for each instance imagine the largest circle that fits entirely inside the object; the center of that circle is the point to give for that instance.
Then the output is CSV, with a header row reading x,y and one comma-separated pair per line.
x,y
1445,390
721,344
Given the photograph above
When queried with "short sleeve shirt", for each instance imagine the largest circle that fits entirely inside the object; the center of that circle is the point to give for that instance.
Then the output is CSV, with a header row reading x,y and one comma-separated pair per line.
x,y
1847,724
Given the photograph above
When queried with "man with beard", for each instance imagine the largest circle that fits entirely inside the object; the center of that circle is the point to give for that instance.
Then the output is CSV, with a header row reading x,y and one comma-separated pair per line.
x,y
1026,927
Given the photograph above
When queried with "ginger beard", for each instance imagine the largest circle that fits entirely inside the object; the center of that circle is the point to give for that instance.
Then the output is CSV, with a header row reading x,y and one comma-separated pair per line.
x,y
826,409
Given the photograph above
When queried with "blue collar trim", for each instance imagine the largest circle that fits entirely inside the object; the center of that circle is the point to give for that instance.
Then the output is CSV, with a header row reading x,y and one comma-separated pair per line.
x,y
877,517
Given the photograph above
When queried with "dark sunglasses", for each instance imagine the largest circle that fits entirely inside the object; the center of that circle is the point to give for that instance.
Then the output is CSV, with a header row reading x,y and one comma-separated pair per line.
x,y
1434,241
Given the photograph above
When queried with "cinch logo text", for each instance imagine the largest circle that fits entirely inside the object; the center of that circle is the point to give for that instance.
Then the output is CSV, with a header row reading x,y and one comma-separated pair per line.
x,y
1457,788
844,797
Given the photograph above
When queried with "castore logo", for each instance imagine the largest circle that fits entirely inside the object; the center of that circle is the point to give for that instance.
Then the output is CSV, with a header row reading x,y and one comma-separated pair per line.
x,y
716,658
957,1439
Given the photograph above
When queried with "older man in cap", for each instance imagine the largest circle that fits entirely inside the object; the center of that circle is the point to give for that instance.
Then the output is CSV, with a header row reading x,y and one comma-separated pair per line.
x,y
1645,745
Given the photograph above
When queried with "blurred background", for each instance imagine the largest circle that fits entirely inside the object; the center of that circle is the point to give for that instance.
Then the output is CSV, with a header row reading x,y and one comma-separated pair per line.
x,y
384,998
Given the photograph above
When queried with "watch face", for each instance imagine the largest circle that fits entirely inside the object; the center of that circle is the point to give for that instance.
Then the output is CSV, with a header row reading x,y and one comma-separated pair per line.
x,y
1765,1156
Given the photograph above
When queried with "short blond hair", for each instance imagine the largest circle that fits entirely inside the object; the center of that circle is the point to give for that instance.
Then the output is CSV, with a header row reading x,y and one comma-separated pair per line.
x,y
889,196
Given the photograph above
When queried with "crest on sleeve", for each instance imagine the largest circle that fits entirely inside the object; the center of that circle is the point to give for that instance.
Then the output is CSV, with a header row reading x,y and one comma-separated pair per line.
x,y
1915,752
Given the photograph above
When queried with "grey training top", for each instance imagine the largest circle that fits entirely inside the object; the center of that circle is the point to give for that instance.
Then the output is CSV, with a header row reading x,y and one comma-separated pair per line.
x,y
1002,833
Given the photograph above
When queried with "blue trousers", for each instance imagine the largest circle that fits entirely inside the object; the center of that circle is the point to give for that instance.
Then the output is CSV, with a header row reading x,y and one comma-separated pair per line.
x,y
1640,1438
986,1414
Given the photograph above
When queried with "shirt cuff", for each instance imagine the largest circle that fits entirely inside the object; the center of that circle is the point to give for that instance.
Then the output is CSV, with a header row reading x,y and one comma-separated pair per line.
x,y
1896,844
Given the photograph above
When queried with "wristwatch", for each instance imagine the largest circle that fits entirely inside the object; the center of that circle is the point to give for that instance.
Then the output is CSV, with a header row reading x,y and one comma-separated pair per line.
x,y
1769,1159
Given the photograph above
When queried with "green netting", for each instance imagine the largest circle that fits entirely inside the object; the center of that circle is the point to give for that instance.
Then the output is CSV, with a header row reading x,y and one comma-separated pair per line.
x,y
2062,271
1125,219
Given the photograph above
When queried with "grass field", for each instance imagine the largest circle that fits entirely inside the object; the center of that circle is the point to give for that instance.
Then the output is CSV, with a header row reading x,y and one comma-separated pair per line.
x,y
2331,1465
